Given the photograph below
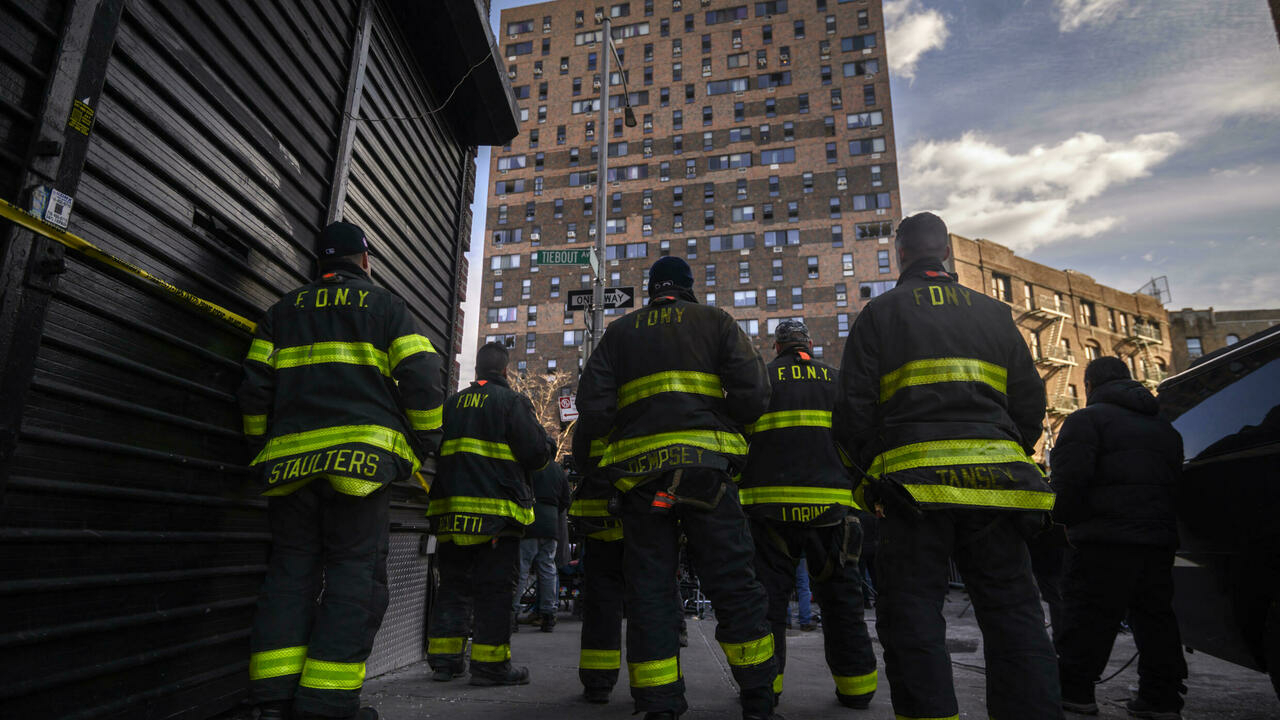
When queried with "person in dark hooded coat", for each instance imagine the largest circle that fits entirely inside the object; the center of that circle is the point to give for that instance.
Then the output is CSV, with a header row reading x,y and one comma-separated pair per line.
x,y
1116,468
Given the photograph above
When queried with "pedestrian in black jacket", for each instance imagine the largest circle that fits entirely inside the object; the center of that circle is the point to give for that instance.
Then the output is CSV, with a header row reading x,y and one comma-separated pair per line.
x,y
1116,468
540,542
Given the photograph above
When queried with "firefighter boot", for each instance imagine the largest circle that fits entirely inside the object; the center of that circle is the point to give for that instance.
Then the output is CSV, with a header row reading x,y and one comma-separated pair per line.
x,y
548,622
274,711
514,676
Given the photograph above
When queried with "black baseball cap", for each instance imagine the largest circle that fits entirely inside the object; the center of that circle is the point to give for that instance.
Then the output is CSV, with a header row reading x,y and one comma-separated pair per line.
x,y
340,239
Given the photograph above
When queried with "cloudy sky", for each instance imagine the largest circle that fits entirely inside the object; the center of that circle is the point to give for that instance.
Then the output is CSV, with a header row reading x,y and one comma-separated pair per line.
x,y
1125,139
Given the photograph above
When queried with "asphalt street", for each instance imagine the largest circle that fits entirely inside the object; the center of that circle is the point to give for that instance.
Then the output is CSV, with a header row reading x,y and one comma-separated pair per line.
x,y
1218,690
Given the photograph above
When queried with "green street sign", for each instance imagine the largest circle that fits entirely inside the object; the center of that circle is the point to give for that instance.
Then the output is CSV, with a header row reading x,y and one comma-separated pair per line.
x,y
565,257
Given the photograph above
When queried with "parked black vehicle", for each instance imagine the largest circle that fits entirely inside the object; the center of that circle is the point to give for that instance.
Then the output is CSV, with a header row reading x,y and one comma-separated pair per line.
x,y
1227,570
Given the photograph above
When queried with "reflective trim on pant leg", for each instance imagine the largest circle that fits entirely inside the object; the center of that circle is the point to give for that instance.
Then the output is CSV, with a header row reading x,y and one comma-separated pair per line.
x,y
490,653
856,684
599,659
445,646
911,717
276,663
777,683
752,652
654,673
325,675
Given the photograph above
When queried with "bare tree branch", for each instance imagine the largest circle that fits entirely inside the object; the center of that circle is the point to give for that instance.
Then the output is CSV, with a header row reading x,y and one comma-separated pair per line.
x,y
543,390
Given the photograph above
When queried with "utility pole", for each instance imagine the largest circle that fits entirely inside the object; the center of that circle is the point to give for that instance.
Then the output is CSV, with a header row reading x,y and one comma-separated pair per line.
x,y
602,171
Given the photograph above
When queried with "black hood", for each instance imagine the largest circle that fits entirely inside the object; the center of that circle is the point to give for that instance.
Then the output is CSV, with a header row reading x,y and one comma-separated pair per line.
x,y
1128,394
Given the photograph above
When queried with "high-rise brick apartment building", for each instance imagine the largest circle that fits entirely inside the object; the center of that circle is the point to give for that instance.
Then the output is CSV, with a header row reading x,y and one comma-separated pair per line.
x,y
763,154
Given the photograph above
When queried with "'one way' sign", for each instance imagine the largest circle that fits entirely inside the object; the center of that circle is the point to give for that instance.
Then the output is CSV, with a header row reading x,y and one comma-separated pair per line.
x,y
619,297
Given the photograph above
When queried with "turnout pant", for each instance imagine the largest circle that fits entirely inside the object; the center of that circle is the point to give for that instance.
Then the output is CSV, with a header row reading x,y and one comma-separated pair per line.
x,y
601,654
990,548
832,554
539,554
475,580
721,549
1103,583
310,647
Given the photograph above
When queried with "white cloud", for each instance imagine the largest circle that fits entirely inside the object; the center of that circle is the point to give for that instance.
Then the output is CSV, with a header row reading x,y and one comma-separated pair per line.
x,y
1075,14
1026,199
911,32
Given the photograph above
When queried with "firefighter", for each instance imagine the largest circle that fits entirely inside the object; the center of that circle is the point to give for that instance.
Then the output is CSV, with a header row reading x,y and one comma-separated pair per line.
x,y
481,502
600,655
341,396
671,385
941,404
798,494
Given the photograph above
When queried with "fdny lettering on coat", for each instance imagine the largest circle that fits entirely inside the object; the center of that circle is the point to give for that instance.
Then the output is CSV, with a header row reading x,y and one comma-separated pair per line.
x,y
979,477
331,297
935,295
344,461
665,315
672,456
803,372
471,400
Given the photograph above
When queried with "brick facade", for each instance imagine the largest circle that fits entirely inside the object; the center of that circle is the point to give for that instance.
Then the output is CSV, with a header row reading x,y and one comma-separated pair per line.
x,y
551,180
1067,318
1200,332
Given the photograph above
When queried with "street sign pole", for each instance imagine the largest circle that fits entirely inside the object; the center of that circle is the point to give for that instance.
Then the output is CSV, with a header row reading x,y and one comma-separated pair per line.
x,y
602,173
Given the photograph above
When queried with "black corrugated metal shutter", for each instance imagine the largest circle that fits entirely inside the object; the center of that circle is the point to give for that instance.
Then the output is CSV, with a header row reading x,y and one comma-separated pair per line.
x,y
29,31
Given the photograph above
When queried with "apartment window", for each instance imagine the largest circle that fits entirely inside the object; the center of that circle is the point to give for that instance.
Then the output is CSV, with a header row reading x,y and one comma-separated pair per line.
x,y
846,264
708,219
832,154
710,299
664,171
706,44
1001,287
739,241
842,295
546,46
564,66
777,270
837,236
530,210
577,19
778,156
560,134
877,176
866,146
871,230
750,327
707,115
773,186
837,101
690,168
691,249
497,291
710,274
664,97
858,42
742,188
806,179
745,213
573,338
882,261
677,120
615,226
834,205
798,27
628,251
811,263
842,324
793,211
868,95
555,287
501,314
762,59
831,22
797,297
776,238
770,298
664,248
504,262
825,73
744,298
664,27
766,34
868,290
1088,313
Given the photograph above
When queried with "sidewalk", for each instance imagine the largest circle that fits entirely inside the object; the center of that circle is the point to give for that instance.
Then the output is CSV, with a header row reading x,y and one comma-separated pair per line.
x,y
1219,690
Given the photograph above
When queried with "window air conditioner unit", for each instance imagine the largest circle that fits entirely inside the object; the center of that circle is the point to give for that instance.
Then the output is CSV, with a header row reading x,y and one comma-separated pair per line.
x,y
511,58
535,236
648,227
880,211
592,231
497,272
842,183
571,234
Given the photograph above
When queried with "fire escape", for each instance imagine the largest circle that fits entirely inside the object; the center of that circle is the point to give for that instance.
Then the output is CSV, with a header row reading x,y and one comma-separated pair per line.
x,y
1137,343
1046,321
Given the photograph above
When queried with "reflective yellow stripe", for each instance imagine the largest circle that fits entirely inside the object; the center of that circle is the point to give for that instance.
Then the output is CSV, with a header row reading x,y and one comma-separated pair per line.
x,y
445,645
481,506
426,419
599,659
908,717
714,440
323,438
607,535
352,486
324,675
752,652
590,508
490,653
475,446
940,370
856,684
796,495
685,381
406,345
254,424
348,353
1018,499
777,683
598,447
277,663
654,673
260,351
791,418
464,539
936,453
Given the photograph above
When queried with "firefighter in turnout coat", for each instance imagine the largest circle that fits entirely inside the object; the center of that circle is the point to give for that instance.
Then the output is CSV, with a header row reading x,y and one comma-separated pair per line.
x,y
341,396
671,385
940,404
481,502
798,494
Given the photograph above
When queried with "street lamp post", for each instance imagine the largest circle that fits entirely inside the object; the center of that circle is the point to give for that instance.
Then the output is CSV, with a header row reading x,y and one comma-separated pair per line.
x,y
602,170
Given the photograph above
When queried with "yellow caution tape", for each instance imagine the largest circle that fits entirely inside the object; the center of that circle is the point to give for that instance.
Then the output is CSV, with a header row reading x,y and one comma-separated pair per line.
x,y
34,224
